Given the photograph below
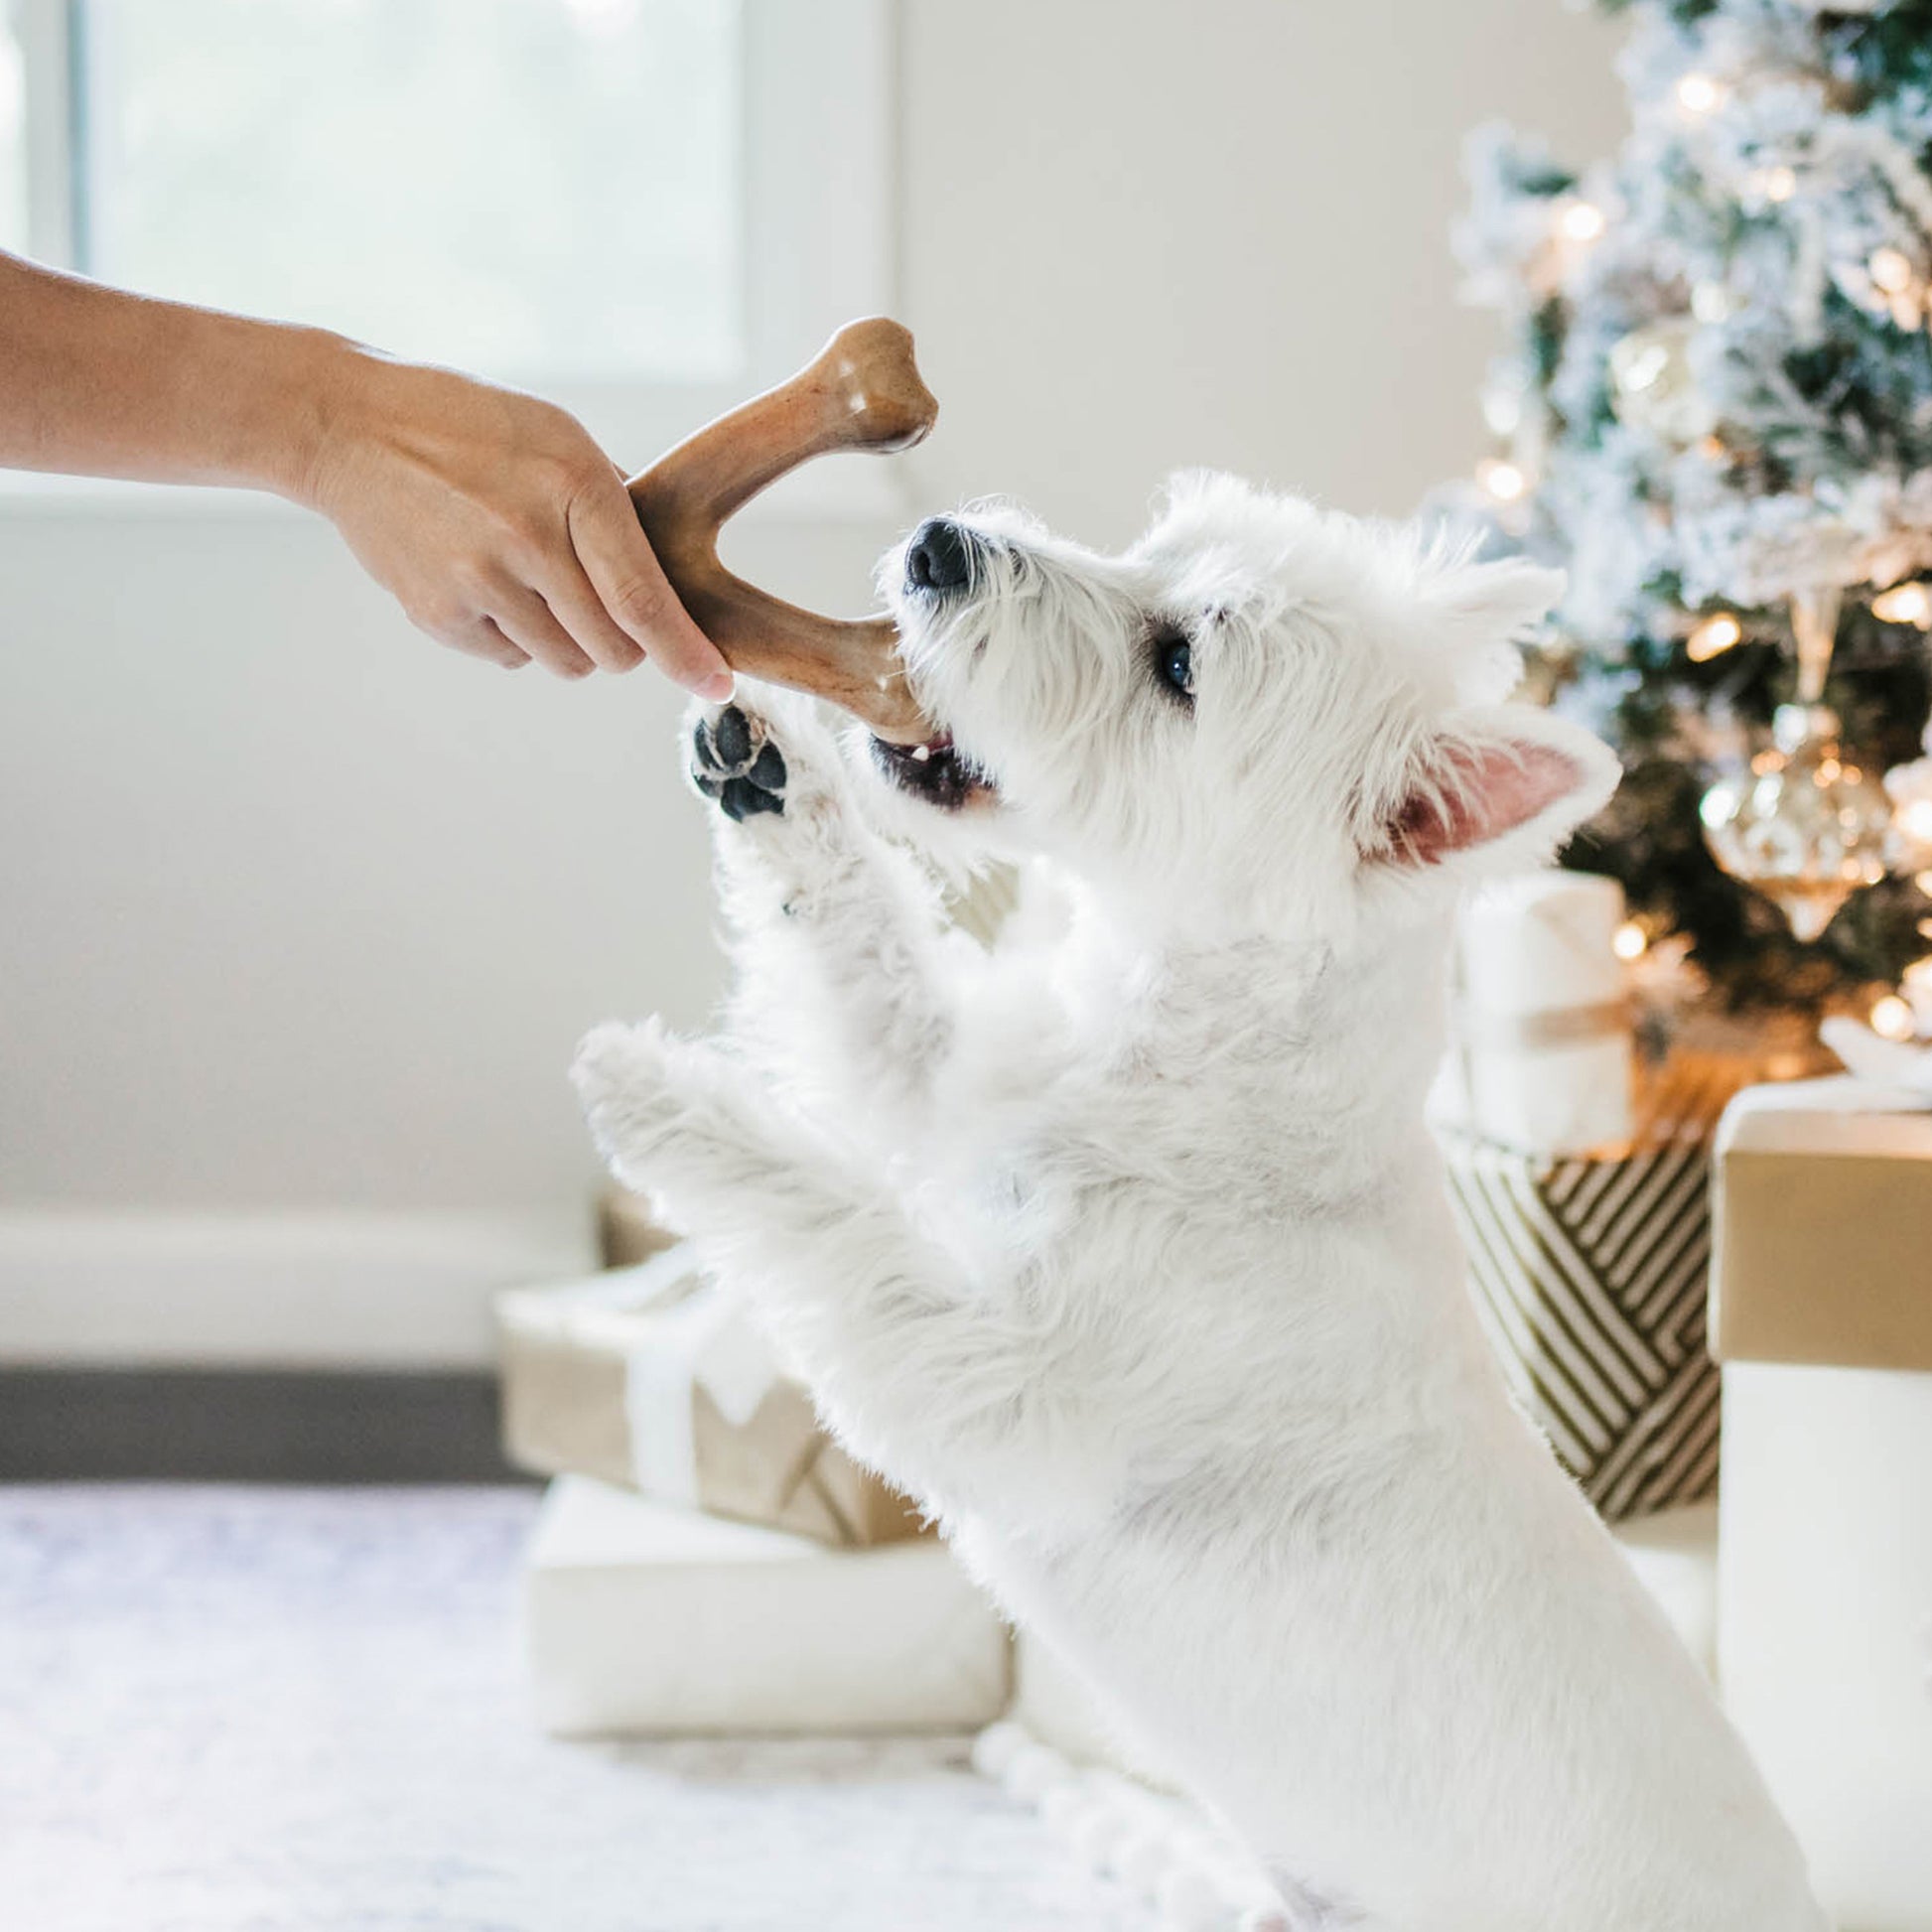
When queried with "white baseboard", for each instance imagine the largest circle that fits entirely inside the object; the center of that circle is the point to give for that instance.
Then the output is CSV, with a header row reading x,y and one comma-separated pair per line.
x,y
81,1288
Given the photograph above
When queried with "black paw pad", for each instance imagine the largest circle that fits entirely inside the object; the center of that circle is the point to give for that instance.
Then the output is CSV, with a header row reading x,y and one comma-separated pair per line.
x,y
732,766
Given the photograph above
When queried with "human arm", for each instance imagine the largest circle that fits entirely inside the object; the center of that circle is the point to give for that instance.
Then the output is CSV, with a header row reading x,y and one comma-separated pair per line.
x,y
492,516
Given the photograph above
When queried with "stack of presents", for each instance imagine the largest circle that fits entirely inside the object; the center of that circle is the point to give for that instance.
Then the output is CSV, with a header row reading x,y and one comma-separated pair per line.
x,y
1669,1261
708,1561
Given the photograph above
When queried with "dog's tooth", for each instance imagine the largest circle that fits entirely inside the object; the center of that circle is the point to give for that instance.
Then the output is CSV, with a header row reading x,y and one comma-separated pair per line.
x,y
921,753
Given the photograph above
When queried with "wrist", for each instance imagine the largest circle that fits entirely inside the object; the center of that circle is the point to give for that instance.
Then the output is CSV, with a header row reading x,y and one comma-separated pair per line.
x,y
313,412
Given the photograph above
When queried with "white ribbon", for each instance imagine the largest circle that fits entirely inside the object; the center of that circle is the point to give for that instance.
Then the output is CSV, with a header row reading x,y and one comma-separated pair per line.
x,y
1886,1075
702,1342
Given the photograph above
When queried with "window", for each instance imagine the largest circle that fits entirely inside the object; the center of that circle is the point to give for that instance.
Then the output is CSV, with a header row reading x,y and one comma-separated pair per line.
x,y
644,207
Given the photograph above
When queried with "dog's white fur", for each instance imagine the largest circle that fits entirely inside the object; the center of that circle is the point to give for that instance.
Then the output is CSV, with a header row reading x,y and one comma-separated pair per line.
x,y
1126,1249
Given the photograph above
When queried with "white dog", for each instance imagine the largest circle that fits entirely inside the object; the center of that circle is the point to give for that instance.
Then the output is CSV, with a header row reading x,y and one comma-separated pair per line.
x,y
1124,1246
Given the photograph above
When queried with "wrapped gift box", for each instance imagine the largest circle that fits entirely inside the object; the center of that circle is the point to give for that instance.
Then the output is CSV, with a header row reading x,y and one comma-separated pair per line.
x,y
1590,1271
1822,1315
651,1376
626,1232
1541,1053
641,1619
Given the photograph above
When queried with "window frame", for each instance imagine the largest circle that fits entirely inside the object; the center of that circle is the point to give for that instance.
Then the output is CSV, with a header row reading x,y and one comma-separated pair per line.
x,y
818,242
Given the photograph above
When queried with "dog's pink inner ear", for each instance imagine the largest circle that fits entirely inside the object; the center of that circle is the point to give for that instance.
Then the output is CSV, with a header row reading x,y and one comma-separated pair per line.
x,y
1477,792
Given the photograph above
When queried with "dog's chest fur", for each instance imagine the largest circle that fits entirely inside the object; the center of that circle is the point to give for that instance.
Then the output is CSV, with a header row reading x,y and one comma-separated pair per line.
x,y
1264,1486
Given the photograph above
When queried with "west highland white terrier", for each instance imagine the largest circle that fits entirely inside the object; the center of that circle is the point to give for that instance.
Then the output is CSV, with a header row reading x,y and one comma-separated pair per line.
x,y
1124,1246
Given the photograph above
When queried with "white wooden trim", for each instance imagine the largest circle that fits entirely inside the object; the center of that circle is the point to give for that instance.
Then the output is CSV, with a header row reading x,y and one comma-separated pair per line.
x,y
45,27
341,1290
818,171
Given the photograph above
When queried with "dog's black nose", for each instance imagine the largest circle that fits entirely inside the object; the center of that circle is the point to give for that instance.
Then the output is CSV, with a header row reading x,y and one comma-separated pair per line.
x,y
936,559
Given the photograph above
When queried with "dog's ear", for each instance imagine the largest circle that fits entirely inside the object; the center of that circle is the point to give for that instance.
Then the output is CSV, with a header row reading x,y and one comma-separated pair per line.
x,y
1474,614
1501,782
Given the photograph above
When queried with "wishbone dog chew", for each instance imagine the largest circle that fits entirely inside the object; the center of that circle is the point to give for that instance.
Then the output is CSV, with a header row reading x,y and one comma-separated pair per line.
x,y
861,393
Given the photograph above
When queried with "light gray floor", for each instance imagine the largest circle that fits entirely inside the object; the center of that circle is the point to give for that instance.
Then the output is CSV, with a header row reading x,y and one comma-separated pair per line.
x,y
295,1711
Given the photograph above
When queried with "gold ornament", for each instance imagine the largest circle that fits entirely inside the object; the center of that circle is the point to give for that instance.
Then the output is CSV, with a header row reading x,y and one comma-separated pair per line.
x,y
1800,825
1652,386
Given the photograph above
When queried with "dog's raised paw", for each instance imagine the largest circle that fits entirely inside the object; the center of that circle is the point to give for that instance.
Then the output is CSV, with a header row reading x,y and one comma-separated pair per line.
x,y
735,762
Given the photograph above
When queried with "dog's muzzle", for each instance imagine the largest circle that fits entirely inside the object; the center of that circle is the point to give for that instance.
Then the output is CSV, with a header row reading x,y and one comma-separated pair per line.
x,y
940,564
939,559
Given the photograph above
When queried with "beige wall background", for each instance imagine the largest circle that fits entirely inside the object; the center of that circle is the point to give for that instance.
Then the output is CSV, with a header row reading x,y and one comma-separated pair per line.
x,y
297,912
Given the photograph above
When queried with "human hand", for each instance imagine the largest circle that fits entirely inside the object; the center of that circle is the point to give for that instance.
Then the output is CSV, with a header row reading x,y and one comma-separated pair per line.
x,y
496,522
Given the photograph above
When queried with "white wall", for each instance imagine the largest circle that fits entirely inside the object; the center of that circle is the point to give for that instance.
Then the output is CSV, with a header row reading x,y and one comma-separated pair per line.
x,y
297,912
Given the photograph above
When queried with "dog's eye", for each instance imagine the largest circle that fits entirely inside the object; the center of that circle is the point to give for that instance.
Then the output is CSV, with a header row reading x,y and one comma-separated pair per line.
x,y
1174,663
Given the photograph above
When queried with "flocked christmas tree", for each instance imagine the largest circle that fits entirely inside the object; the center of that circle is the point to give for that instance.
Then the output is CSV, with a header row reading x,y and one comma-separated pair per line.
x,y
1716,411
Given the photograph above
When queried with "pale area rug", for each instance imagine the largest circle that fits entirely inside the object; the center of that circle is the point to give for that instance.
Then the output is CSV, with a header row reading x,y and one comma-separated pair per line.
x,y
228,1709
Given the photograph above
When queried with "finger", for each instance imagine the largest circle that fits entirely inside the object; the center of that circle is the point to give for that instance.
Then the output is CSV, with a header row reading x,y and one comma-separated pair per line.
x,y
482,640
578,608
632,585
529,622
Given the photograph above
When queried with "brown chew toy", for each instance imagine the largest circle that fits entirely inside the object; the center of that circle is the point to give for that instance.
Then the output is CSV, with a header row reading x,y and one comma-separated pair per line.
x,y
861,393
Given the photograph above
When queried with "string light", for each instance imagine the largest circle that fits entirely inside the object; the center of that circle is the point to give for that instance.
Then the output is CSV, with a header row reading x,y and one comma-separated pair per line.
x,y
1906,603
1892,1018
1713,637
1631,941
1889,270
1778,184
1501,479
1581,220
1698,93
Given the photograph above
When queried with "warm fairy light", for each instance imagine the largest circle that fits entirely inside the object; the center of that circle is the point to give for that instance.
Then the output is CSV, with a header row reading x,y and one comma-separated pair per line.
x,y
1698,93
1714,636
1915,821
1892,1018
1631,941
1581,220
1778,184
1889,270
1906,603
1501,479
1923,880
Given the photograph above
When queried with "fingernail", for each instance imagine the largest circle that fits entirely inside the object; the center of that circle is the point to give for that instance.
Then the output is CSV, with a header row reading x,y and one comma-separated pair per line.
x,y
718,687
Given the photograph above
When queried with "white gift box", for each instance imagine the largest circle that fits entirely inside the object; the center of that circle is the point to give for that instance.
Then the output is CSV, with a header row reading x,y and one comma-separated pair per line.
x,y
641,1618
1822,1317
1824,1634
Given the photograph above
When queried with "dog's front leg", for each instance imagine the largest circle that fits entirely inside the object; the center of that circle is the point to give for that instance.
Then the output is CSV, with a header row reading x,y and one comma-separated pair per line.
x,y
907,1356
846,975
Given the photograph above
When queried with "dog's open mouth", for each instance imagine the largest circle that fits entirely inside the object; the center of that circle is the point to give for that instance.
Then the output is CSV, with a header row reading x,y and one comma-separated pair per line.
x,y
935,771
